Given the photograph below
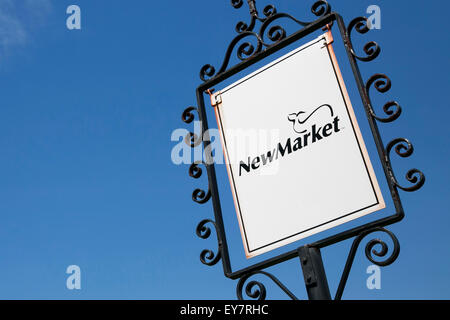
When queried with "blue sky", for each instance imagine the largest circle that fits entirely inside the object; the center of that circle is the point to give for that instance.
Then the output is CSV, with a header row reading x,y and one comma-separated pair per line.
x,y
86,176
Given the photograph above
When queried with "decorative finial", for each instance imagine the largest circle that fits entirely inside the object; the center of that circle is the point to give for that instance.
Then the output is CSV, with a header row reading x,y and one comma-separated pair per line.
x,y
252,7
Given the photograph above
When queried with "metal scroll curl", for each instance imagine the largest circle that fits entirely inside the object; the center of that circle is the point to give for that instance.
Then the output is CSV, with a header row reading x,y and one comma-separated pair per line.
x,y
256,290
191,138
255,43
370,251
404,149
245,51
237,3
382,84
383,249
207,256
277,33
199,195
371,49
187,116
268,11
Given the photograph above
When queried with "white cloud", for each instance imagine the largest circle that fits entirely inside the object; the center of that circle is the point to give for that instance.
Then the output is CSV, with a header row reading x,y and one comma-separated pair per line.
x,y
18,19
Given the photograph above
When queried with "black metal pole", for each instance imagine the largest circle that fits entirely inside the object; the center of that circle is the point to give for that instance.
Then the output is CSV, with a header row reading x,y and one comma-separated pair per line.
x,y
314,273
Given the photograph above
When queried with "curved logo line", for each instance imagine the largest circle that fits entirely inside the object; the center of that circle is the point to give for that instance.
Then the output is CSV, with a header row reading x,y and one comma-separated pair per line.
x,y
295,117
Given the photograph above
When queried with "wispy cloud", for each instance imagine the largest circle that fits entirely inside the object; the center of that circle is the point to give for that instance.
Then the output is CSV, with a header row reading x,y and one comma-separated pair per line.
x,y
17,20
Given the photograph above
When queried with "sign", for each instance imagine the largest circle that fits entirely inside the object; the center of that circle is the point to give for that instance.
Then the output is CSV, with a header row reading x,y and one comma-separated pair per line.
x,y
295,155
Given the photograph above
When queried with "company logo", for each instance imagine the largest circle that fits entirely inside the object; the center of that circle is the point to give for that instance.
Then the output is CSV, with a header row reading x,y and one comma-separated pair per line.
x,y
309,134
302,117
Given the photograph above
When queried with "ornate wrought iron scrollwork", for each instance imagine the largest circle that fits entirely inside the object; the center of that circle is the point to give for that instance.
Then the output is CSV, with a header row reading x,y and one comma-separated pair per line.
x,y
392,109
371,49
268,12
256,290
404,149
191,138
275,34
207,256
369,252
187,115
382,84
199,195
250,45
237,3
383,250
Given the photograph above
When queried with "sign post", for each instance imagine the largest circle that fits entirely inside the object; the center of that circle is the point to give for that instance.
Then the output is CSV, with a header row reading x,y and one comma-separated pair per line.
x,y
314,173
314,273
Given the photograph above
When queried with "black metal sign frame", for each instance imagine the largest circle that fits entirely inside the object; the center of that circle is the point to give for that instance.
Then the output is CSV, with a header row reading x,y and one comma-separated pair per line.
x,y
269,39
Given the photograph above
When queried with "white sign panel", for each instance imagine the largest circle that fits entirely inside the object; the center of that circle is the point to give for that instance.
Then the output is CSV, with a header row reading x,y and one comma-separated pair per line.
x,y
295,156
